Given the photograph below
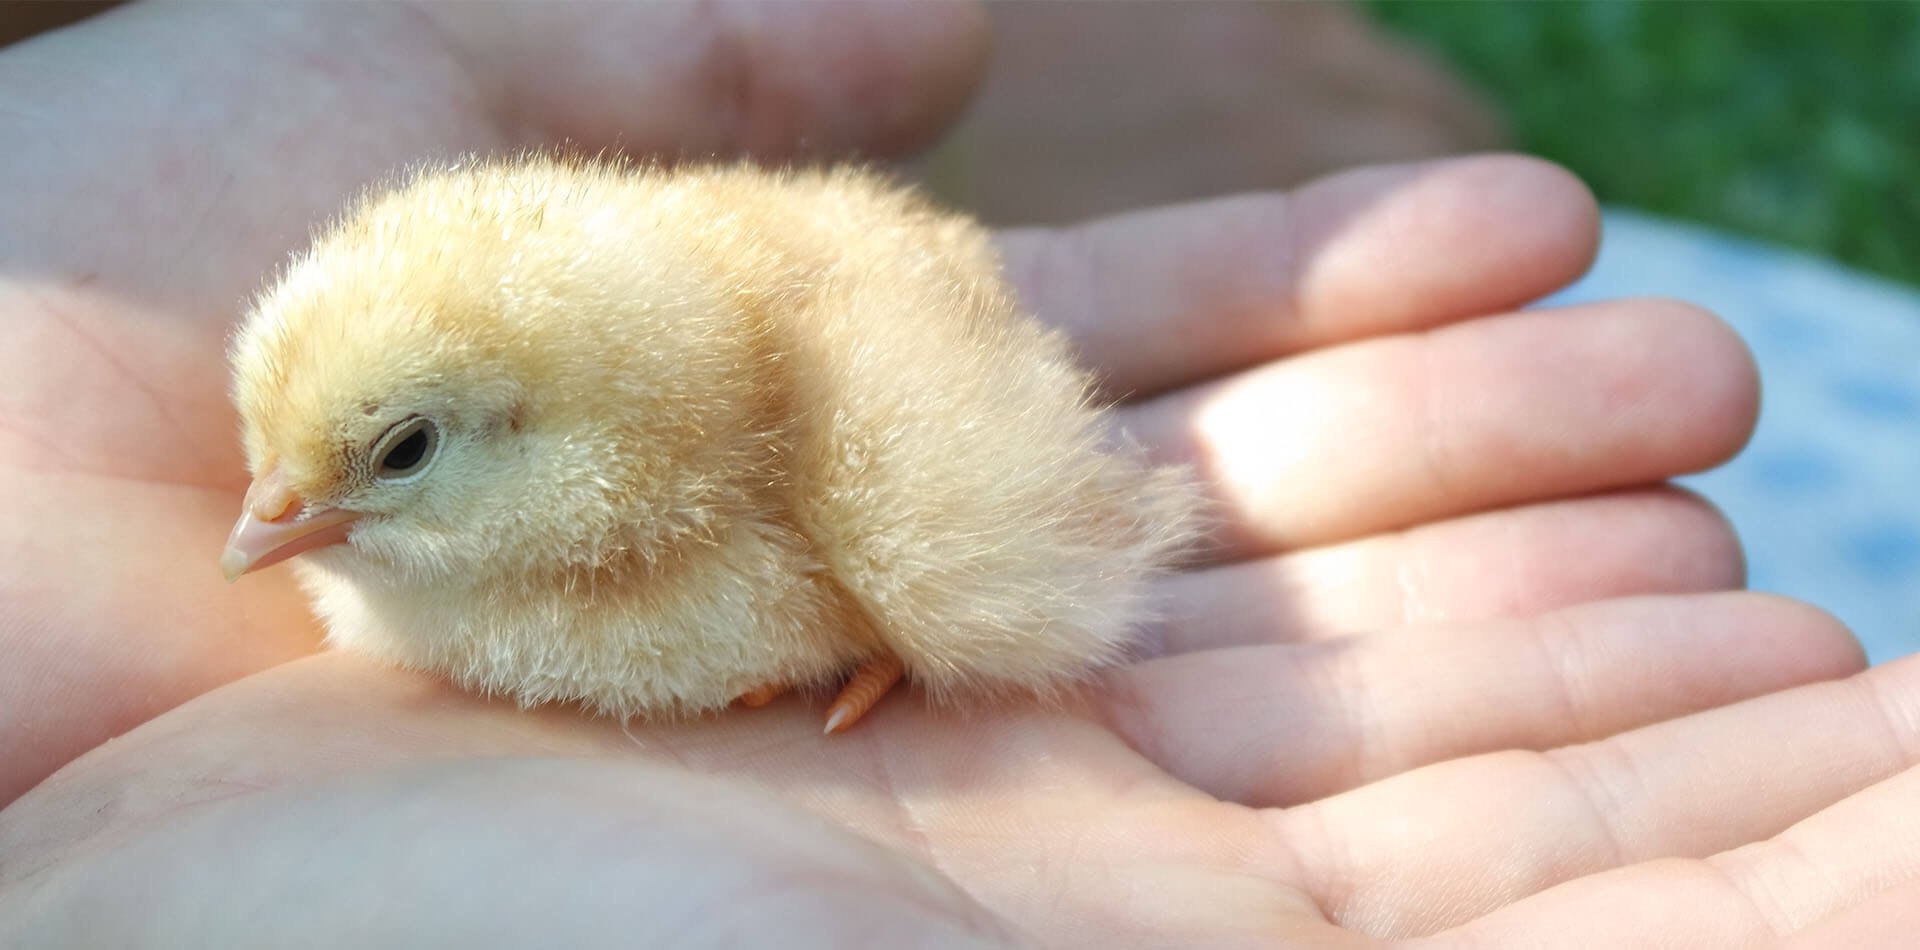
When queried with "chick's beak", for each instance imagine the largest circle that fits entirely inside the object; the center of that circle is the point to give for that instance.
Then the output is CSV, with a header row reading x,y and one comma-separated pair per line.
x,y
276,524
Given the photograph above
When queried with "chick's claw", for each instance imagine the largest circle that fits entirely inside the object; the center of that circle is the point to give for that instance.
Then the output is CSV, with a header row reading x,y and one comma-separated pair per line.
x,y
870,682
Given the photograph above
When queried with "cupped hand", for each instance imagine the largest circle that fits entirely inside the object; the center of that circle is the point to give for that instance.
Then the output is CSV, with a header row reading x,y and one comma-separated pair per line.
x,y
1453,662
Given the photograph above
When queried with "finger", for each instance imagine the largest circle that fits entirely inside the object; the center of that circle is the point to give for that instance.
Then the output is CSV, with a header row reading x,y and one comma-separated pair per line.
x,y
1283,725
1688,788
1883,920
767,79
310,103
1842,854
1161,298
1847,872
1387,433
1510,563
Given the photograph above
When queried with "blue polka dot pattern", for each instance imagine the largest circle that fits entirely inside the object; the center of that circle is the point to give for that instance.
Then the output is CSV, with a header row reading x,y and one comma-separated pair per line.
x,y
1827,499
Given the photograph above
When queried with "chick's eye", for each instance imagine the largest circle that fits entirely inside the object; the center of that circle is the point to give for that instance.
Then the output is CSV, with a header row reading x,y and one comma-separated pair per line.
x,y
405,449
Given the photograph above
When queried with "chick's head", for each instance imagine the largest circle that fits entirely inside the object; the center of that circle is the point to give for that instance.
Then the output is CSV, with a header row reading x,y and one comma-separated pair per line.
x,y
431,392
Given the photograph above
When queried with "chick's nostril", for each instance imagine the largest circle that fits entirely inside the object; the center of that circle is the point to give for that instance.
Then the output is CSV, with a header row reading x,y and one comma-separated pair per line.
x,y
273,509
274,506
270,499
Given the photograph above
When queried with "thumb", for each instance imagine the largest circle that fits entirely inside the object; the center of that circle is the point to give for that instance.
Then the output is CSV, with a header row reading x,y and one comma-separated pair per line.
x,y
770,79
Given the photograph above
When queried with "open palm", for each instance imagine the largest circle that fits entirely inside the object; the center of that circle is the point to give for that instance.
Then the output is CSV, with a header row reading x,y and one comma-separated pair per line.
x,y
1453,663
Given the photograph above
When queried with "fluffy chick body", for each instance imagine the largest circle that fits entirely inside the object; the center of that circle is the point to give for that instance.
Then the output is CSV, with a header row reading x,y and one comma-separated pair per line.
x,y
700,431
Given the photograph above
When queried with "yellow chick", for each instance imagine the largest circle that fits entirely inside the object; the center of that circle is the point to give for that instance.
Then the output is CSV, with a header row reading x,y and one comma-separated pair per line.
x,y
659,440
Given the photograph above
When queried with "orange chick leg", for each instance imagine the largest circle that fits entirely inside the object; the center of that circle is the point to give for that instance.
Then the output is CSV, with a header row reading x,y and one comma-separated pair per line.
x,y
760,696
870,682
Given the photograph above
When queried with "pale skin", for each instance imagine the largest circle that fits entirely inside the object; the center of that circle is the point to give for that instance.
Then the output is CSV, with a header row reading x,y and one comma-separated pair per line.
x,y
1453,665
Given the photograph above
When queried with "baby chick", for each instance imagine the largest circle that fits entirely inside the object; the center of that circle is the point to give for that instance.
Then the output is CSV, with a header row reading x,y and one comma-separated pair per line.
x,y
659,440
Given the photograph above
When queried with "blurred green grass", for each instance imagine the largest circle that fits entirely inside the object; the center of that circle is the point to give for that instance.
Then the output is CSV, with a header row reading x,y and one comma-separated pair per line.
x,y
1792,122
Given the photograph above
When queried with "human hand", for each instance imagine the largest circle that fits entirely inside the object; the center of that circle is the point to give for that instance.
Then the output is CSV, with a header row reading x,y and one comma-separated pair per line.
x,y
1439,572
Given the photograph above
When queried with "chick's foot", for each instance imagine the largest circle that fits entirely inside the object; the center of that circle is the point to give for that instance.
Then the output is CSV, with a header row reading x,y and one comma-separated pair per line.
x,y
870,682
760,695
